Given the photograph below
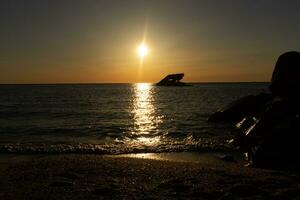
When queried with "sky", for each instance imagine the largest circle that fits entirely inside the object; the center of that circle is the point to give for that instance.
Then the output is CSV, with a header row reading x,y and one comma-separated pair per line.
x,y
95,41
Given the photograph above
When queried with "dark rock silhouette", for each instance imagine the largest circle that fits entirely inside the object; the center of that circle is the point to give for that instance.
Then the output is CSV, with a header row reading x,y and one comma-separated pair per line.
x,y
172,80
286,76
269,123
252,105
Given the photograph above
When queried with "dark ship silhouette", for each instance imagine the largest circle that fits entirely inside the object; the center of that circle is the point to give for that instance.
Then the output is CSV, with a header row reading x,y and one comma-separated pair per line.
x,y
172,80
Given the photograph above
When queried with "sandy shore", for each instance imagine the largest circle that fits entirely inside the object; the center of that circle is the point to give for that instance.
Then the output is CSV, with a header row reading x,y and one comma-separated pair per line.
x,y
143,176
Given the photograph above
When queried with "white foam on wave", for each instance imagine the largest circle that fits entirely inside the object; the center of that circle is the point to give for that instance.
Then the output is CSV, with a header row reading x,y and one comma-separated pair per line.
x,y
121,147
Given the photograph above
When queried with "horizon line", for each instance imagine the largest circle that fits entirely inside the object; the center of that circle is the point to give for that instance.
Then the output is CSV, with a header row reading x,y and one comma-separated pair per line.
x,y
98,83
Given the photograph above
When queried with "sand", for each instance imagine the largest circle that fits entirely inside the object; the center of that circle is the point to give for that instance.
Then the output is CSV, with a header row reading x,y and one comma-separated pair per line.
x,y
140,176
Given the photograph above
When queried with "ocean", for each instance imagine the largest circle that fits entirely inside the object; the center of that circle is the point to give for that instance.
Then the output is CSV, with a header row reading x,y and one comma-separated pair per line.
x,y
116,118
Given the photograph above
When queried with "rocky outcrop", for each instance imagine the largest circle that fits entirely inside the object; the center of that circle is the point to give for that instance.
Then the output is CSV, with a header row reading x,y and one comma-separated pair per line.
x,y
252,105
269,123
286,77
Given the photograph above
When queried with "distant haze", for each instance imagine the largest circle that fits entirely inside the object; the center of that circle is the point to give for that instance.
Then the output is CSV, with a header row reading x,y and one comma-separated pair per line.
x,y
94,41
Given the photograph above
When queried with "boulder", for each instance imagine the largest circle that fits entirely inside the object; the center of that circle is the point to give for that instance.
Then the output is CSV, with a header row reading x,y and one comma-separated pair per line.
x,y
285,81
269,123
252,105
273,140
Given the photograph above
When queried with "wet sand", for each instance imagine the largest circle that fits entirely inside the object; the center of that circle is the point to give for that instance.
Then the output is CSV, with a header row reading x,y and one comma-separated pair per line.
x,y
140,176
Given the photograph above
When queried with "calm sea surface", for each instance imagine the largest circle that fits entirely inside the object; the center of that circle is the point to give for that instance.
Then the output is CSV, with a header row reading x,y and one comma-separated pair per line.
x,y
115,118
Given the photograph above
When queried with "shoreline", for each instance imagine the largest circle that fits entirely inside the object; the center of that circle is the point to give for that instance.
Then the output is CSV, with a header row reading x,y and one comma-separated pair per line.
x,y
133,176
181,157
188,157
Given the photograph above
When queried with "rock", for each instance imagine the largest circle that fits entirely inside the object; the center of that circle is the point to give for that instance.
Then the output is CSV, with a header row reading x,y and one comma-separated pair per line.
x,y
269,123
286,76
252,105
280,147
272,141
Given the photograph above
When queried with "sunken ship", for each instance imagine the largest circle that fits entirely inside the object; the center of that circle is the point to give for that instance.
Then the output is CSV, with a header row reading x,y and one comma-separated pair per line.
x,y
172,80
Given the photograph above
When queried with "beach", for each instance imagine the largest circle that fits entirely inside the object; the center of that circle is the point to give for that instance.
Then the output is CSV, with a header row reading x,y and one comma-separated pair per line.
x,y
149,99
140,176
128,141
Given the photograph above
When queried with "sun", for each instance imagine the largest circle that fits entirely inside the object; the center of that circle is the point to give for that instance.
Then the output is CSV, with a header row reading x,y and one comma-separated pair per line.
x,y
142,50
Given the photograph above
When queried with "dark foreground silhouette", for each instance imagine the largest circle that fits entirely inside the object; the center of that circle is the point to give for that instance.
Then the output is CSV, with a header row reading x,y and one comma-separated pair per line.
x,y
172,80
269,123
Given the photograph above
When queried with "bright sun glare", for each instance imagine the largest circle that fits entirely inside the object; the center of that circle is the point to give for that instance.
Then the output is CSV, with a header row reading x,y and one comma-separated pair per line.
x,y
142,50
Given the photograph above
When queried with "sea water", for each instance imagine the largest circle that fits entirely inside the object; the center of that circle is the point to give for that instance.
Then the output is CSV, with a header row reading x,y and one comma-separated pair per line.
x,y
116,118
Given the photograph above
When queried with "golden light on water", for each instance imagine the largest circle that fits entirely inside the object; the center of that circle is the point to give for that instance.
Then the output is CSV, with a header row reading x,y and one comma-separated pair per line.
x,y
149,141
143,87
144,116
143,109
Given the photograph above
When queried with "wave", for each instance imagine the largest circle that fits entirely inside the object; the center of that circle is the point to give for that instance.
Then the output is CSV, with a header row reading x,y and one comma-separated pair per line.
x,y
120,147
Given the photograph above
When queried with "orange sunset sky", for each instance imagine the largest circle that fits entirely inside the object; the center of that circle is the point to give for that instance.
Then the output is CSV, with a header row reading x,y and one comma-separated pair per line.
x,y
97,41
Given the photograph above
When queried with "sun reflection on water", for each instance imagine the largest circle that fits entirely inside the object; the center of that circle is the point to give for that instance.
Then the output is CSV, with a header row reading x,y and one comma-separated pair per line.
x,y
145,128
